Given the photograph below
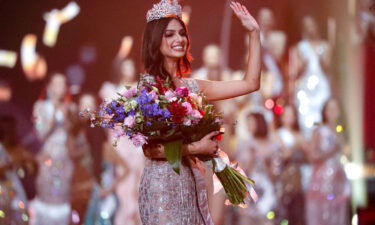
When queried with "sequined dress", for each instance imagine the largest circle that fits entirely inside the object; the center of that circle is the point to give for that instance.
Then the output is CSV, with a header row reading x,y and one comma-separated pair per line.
x,y
13,201
260,160
313,87
52,202
167,198
328,195
290,191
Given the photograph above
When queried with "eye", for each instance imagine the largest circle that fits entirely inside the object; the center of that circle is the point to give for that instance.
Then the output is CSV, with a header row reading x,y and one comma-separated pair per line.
x,y
183,33
168,34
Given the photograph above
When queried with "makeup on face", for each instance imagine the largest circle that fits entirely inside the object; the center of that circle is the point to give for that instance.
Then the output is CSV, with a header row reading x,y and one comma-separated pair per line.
x,y
174,41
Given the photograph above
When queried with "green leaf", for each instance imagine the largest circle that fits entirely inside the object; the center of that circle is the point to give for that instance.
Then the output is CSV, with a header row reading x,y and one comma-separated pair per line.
x,y
173,153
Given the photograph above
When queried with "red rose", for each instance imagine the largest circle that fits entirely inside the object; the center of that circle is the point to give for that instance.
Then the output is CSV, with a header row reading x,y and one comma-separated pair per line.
x,y
177,111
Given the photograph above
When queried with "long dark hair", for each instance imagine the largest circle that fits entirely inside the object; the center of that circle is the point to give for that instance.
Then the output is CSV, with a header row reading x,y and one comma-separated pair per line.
x,y
152,58
295,125
261,130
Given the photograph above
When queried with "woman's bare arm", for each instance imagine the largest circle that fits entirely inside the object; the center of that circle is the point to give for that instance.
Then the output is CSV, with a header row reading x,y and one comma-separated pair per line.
x,y
220,90
206,146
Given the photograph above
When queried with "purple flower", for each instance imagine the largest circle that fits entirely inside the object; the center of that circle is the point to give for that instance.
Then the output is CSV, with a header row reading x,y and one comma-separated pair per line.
x,y
139,140
144,97
182,91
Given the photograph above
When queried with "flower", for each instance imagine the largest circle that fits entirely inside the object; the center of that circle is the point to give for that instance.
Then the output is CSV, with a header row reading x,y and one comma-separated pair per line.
x,y
182,91
118,132
196,114
130,92
153,95
187,122
188,107
178,111
129,121
170,96
139,140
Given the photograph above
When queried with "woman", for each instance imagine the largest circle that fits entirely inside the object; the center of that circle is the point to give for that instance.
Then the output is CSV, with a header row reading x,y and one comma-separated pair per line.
x,y
290,193
51,204
166,197
127,192
103,204
15,163
329,192
260,159
82,179
313,87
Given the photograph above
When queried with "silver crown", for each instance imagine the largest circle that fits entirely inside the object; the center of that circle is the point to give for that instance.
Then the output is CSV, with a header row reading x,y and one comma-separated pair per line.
x,y
165,8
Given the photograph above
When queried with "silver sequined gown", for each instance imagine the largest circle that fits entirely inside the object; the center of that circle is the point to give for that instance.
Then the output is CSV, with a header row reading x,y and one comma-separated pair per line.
x,y
328,194
52,202
167,198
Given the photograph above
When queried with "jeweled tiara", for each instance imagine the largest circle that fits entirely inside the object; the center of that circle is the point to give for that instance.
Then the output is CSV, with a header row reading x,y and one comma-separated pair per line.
x,y
165,8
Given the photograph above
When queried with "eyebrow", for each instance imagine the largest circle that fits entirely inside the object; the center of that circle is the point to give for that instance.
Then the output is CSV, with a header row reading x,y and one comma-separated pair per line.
x,y
182,29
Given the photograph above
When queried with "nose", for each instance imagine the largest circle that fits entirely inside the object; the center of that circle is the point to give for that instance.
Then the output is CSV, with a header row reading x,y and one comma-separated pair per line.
x,y
179,38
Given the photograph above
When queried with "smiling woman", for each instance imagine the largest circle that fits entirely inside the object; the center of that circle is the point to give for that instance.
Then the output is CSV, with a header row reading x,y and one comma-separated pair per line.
x,y
165,196
166,42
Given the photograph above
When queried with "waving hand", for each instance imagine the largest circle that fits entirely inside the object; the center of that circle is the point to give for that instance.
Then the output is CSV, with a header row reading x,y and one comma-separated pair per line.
x,y
247,20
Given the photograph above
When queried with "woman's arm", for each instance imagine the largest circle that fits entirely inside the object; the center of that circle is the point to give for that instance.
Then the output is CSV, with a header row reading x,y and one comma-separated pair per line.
x,y
205,146
220,90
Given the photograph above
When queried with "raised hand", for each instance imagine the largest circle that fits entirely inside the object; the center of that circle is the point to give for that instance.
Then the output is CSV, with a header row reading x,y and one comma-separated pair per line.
x,y
245,17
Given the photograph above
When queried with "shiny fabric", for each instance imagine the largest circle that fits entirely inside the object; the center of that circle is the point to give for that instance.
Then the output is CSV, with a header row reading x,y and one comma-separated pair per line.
x,y
259,160
167,198
290,192
13,201
52,203
313,87
328,195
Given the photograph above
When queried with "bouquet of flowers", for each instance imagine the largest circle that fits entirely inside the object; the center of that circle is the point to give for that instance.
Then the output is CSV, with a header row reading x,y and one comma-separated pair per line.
x,y
155,112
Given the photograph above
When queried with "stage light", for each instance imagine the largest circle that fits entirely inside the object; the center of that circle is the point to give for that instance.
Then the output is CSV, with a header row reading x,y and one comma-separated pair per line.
x,y
54,19
271,215
34,66
8,58
339,128
353,171
269,104
355,219
278,109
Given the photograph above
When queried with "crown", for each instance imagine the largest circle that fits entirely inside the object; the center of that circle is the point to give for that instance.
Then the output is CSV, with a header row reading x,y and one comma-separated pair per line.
x,y
165,8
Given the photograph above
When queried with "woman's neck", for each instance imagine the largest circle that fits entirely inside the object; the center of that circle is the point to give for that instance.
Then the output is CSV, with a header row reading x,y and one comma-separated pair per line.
x,y
170,66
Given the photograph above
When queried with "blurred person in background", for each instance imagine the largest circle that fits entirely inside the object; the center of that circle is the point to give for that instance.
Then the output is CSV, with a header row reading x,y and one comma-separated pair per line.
x,y
328,196
15,164
83,178
124,72
260,159
363,30
312,57
289,190
273,46
52,202
25,130
312,82
102,170
213,70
